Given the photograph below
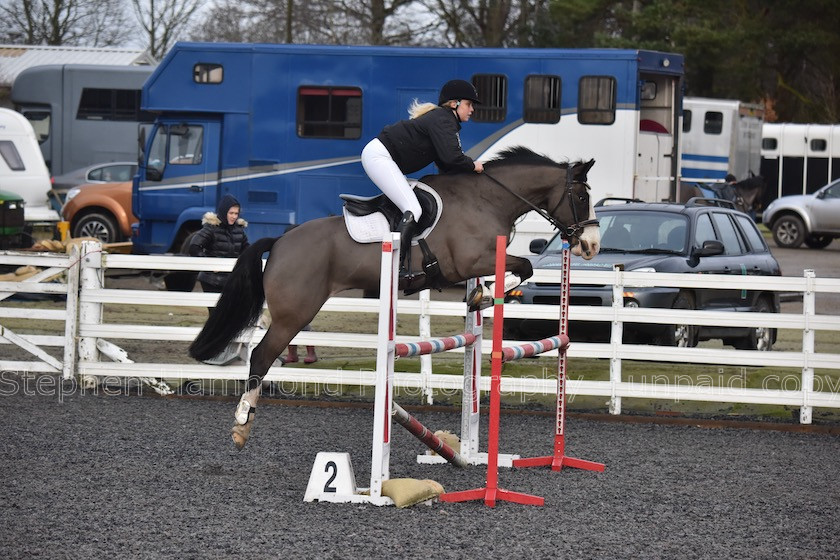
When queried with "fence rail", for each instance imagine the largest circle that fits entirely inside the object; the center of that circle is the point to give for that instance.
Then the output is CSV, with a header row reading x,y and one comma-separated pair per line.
x,y
88,350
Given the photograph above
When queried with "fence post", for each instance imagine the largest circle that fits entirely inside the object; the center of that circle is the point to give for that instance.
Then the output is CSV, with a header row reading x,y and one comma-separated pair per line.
x,y
808,310
426,359
90,278
71,324
616,337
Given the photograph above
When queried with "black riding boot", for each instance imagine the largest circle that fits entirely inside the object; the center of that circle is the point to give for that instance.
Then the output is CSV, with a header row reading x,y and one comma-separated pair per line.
x,y
406,230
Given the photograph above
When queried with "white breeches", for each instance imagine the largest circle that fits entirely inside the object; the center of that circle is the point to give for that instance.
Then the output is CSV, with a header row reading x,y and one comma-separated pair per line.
x,y
385,174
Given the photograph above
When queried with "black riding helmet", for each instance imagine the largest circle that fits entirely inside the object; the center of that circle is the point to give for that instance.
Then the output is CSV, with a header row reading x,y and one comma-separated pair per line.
x,y
457,89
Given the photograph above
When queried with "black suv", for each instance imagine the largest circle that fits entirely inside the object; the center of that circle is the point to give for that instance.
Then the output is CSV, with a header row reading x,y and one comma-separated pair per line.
x,y
703,236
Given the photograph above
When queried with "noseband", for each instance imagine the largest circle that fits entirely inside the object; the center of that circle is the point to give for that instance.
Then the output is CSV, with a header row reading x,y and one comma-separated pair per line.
x,y
568,232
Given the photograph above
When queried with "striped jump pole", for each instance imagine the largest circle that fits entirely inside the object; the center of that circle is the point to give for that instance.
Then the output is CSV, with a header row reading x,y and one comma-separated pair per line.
x,y
529,349
409,349
558,459
491,493
425,435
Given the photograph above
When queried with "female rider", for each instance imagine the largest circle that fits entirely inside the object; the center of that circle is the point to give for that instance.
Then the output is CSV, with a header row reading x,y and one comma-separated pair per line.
x,y
430,135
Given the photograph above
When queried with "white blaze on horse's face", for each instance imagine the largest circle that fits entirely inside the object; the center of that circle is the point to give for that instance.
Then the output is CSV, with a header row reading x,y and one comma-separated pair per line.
x,y
590,239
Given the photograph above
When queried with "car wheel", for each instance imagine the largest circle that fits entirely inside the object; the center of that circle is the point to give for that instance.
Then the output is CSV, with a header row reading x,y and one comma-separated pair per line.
x,y
818,241
789,232
683,336
97,224
759,338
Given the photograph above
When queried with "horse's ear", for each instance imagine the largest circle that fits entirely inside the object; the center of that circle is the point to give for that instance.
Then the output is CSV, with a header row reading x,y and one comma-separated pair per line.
x,y
580,169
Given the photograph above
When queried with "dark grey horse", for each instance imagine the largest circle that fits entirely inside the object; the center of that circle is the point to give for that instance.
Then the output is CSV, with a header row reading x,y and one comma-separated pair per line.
x,y
318,259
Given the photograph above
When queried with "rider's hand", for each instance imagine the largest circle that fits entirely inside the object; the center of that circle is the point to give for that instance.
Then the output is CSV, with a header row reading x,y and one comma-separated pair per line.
x,y
478,167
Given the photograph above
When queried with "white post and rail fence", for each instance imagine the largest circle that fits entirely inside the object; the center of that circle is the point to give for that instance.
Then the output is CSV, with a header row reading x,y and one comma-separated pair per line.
x,y
89,346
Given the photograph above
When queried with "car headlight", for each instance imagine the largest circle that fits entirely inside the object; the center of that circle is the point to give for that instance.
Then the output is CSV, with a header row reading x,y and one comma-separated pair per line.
x,y
643,269
71,193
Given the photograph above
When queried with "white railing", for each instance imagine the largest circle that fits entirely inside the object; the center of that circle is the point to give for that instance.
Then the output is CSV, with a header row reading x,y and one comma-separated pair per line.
x,y
87,349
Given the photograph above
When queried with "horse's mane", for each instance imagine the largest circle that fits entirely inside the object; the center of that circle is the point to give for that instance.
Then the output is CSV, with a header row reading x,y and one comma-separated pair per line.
x,y
524,156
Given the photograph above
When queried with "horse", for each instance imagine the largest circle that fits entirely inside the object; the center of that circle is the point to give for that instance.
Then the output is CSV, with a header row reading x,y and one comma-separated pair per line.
x,y
318,259
746,194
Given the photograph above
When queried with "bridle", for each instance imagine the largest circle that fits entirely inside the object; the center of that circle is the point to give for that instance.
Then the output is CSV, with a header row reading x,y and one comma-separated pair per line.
x,y
568,232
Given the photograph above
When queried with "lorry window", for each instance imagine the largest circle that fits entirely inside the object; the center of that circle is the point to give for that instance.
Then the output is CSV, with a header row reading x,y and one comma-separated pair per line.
x,y
492,91
686,120
329,112
11,155
713,123
818,145
542,99
103,104
185,144
647,91
40,121
157,155
596,100
208,73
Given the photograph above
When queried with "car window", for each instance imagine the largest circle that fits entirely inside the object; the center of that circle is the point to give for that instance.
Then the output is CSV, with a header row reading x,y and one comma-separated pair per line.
x,y
704,230
833,191
732,244
643,230
754,239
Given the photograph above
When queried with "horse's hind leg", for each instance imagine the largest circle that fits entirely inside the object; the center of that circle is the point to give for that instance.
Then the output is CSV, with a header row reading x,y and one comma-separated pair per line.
x,y
272,344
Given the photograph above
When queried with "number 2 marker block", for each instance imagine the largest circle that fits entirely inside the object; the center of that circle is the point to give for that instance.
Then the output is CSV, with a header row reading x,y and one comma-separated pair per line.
x,y
332,480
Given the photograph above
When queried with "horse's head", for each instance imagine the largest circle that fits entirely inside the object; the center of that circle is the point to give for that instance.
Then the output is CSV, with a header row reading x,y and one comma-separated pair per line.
x,y
572,207
558,191
750,192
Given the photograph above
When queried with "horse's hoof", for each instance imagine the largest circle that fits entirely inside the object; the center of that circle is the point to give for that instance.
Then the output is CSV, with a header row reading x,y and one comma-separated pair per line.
x,y
478,299
240,433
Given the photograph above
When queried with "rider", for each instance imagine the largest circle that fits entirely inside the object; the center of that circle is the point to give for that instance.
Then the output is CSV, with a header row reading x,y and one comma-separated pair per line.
x,y
430,135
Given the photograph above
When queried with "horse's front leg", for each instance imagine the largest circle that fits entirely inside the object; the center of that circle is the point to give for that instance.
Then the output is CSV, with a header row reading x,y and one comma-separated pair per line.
x,y
517,270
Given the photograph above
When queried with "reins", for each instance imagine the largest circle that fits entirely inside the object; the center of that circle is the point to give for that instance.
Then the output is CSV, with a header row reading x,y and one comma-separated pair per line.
x,y
573,230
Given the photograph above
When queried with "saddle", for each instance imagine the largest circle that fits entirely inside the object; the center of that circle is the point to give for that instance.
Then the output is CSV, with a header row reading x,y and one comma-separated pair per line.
x,y
370,219
366,205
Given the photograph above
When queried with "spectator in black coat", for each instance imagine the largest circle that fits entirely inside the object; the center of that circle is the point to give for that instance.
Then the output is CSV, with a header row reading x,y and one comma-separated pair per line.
x,y
222,235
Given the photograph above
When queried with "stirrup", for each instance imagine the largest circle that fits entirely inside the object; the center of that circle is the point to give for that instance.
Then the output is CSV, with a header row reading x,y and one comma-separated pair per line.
x,y
411,283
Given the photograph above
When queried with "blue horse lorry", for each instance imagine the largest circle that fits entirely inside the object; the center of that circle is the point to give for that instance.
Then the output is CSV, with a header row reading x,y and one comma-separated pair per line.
x,y
282,127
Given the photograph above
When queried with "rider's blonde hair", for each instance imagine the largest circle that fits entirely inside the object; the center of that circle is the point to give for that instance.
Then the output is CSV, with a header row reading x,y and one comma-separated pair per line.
x,y
418,108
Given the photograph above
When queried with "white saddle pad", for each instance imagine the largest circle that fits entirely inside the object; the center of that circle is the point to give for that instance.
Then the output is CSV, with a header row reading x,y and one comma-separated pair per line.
x,y
374,228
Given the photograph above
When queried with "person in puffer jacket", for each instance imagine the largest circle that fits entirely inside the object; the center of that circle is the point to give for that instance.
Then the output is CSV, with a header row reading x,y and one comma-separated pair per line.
x,y
222,235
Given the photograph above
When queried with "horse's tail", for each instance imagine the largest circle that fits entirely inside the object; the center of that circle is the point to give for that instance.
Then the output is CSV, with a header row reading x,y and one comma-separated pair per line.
x,y
239,305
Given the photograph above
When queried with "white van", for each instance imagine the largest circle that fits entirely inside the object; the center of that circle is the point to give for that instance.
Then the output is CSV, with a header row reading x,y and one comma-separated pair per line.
x,y
22,168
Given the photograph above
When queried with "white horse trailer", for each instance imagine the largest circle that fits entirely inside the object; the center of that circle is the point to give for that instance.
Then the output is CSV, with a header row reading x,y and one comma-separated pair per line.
x,y
720,136
799,158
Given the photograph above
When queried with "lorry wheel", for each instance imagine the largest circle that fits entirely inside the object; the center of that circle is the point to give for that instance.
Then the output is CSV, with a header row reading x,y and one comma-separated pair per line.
x,y
789,232
97,224
818,241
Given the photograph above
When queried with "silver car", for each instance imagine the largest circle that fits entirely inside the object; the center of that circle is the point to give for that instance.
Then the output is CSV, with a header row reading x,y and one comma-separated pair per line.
x,y
810,218
110,172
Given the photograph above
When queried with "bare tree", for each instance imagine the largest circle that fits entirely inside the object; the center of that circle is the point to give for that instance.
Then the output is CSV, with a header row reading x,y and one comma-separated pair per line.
x,y
343,22
484,23
93,23
163,21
